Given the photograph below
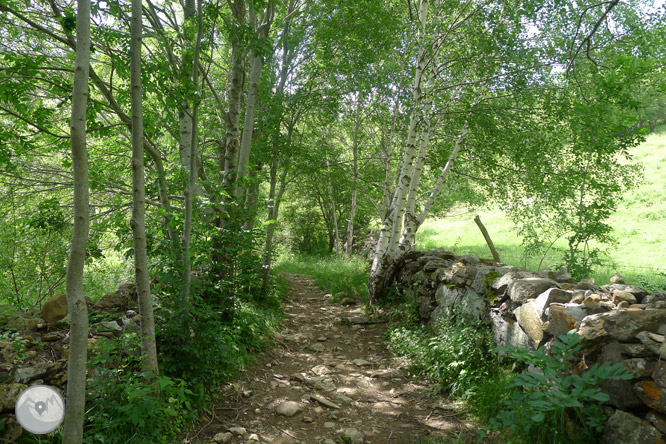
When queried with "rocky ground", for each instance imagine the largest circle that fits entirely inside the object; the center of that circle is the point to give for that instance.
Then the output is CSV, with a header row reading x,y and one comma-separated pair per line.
x,y
329,379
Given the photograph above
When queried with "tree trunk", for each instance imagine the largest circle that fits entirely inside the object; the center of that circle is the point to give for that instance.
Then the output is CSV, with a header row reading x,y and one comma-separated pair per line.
x,y
76,369
388,236
190,190
251,103
352,211
335,234
138,222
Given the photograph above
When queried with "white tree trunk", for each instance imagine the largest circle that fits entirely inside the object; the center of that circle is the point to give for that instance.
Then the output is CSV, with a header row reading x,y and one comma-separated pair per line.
x,y
138,222
388,236
76,369
336,232
352,211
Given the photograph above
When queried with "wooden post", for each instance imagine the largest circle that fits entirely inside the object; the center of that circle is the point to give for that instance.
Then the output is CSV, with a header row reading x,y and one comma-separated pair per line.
x,y
489,241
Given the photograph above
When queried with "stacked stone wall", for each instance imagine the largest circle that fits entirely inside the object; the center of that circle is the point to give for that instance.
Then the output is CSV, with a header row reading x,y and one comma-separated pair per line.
x,y
618,323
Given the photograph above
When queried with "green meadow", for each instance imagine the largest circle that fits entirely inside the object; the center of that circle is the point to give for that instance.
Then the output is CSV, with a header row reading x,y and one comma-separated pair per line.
x,y
639,224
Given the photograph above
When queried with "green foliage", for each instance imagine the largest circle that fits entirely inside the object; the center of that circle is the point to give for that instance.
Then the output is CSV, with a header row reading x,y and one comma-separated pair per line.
x,y
552,403
18,342
457,356
125,405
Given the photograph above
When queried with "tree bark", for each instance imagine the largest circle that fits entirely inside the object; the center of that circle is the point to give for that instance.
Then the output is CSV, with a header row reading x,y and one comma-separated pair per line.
x,y
190,190
486,236
251,102
76,369
335,235
352,211
138,222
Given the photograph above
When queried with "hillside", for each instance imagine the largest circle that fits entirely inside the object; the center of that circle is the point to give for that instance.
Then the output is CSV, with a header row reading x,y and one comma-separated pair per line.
x,y
639,225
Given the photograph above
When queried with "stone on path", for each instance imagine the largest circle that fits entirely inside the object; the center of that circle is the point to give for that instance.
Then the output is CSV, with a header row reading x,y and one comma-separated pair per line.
x,y
353,436
361,362
223,437
325,402
288,408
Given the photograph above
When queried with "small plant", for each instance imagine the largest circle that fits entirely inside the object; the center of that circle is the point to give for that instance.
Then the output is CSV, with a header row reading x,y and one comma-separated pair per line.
x,y
18,342
552,403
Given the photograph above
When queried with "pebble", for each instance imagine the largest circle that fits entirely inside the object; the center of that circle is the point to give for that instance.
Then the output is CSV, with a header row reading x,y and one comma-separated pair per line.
x,y
240,431
329,425
288,408
223,437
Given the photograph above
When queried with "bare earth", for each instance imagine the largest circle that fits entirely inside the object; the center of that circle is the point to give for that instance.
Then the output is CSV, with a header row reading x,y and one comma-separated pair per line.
x,y
340,375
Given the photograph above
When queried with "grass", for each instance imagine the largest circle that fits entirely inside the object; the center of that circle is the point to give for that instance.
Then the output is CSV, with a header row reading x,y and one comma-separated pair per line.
x,y
332,274
639,226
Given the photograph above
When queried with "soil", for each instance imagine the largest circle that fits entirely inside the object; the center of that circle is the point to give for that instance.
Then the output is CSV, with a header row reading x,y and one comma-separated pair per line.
x,y
330,361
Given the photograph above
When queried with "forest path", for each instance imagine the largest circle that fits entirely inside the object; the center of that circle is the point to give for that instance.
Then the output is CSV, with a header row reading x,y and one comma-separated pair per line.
x,y
340,378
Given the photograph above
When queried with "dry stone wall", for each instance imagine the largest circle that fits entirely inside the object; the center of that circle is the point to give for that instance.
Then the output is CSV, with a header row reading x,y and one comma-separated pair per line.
x,y
35,347
618,323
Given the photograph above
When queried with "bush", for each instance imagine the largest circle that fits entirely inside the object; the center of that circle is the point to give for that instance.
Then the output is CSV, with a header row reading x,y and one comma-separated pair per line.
x,y
551,403
457,358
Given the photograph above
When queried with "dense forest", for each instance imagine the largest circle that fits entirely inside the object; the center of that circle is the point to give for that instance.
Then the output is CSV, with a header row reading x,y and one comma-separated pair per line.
x,y
191,142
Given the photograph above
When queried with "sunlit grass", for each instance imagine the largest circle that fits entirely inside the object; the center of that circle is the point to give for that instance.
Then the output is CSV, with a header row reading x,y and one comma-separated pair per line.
x,y
332,274
639,227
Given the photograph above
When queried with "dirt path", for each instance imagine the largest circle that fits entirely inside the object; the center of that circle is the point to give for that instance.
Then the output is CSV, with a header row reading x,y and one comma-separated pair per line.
x,y
338,376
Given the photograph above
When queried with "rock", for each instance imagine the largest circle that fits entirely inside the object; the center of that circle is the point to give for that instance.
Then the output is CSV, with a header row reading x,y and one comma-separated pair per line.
x,y
24,325
288,408
658,420
462,274
11,430
27,374
329,425
479,281
659,373
551,296
238,431
578,297
8,395
563,276
662,351
321,370
347,302
343,399
617,279
638,292
624,325
361,362
325,402
625,428
648,342
529,319
55,308
253,437
623,296
639,367
503,282
317,347
472,305
447,297
586,284
359,320
7,352
507,331
6,372
529,288
652,395
352,436
223,437
564,317
120,300
622,394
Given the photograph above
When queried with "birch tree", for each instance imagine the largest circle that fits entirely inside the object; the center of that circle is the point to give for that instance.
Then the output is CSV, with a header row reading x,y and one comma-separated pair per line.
x,y
78,311
138,222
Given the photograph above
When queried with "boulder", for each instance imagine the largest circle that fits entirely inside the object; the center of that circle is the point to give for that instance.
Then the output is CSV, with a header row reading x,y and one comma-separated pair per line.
x,y
11,430
659,373
120,300
472,305
8,395
508,331
7,352
529,318
24,325
622,394
585,284
27,374
617,279
562,318
598,329
479,281
625,428
447,297
638,292
529,288
55,308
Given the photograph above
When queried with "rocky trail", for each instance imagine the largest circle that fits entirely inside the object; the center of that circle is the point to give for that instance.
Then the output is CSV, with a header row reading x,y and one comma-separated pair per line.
x,y
329,379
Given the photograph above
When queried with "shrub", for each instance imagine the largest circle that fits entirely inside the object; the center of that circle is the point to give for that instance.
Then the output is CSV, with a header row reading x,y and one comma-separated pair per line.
x,y
551,403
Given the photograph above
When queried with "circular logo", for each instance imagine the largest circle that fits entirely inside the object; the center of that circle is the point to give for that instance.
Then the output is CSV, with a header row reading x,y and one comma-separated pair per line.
x,y
40,409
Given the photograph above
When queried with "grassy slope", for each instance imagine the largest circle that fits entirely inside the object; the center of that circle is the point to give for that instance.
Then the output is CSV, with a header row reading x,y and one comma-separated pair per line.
x,y
639,224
